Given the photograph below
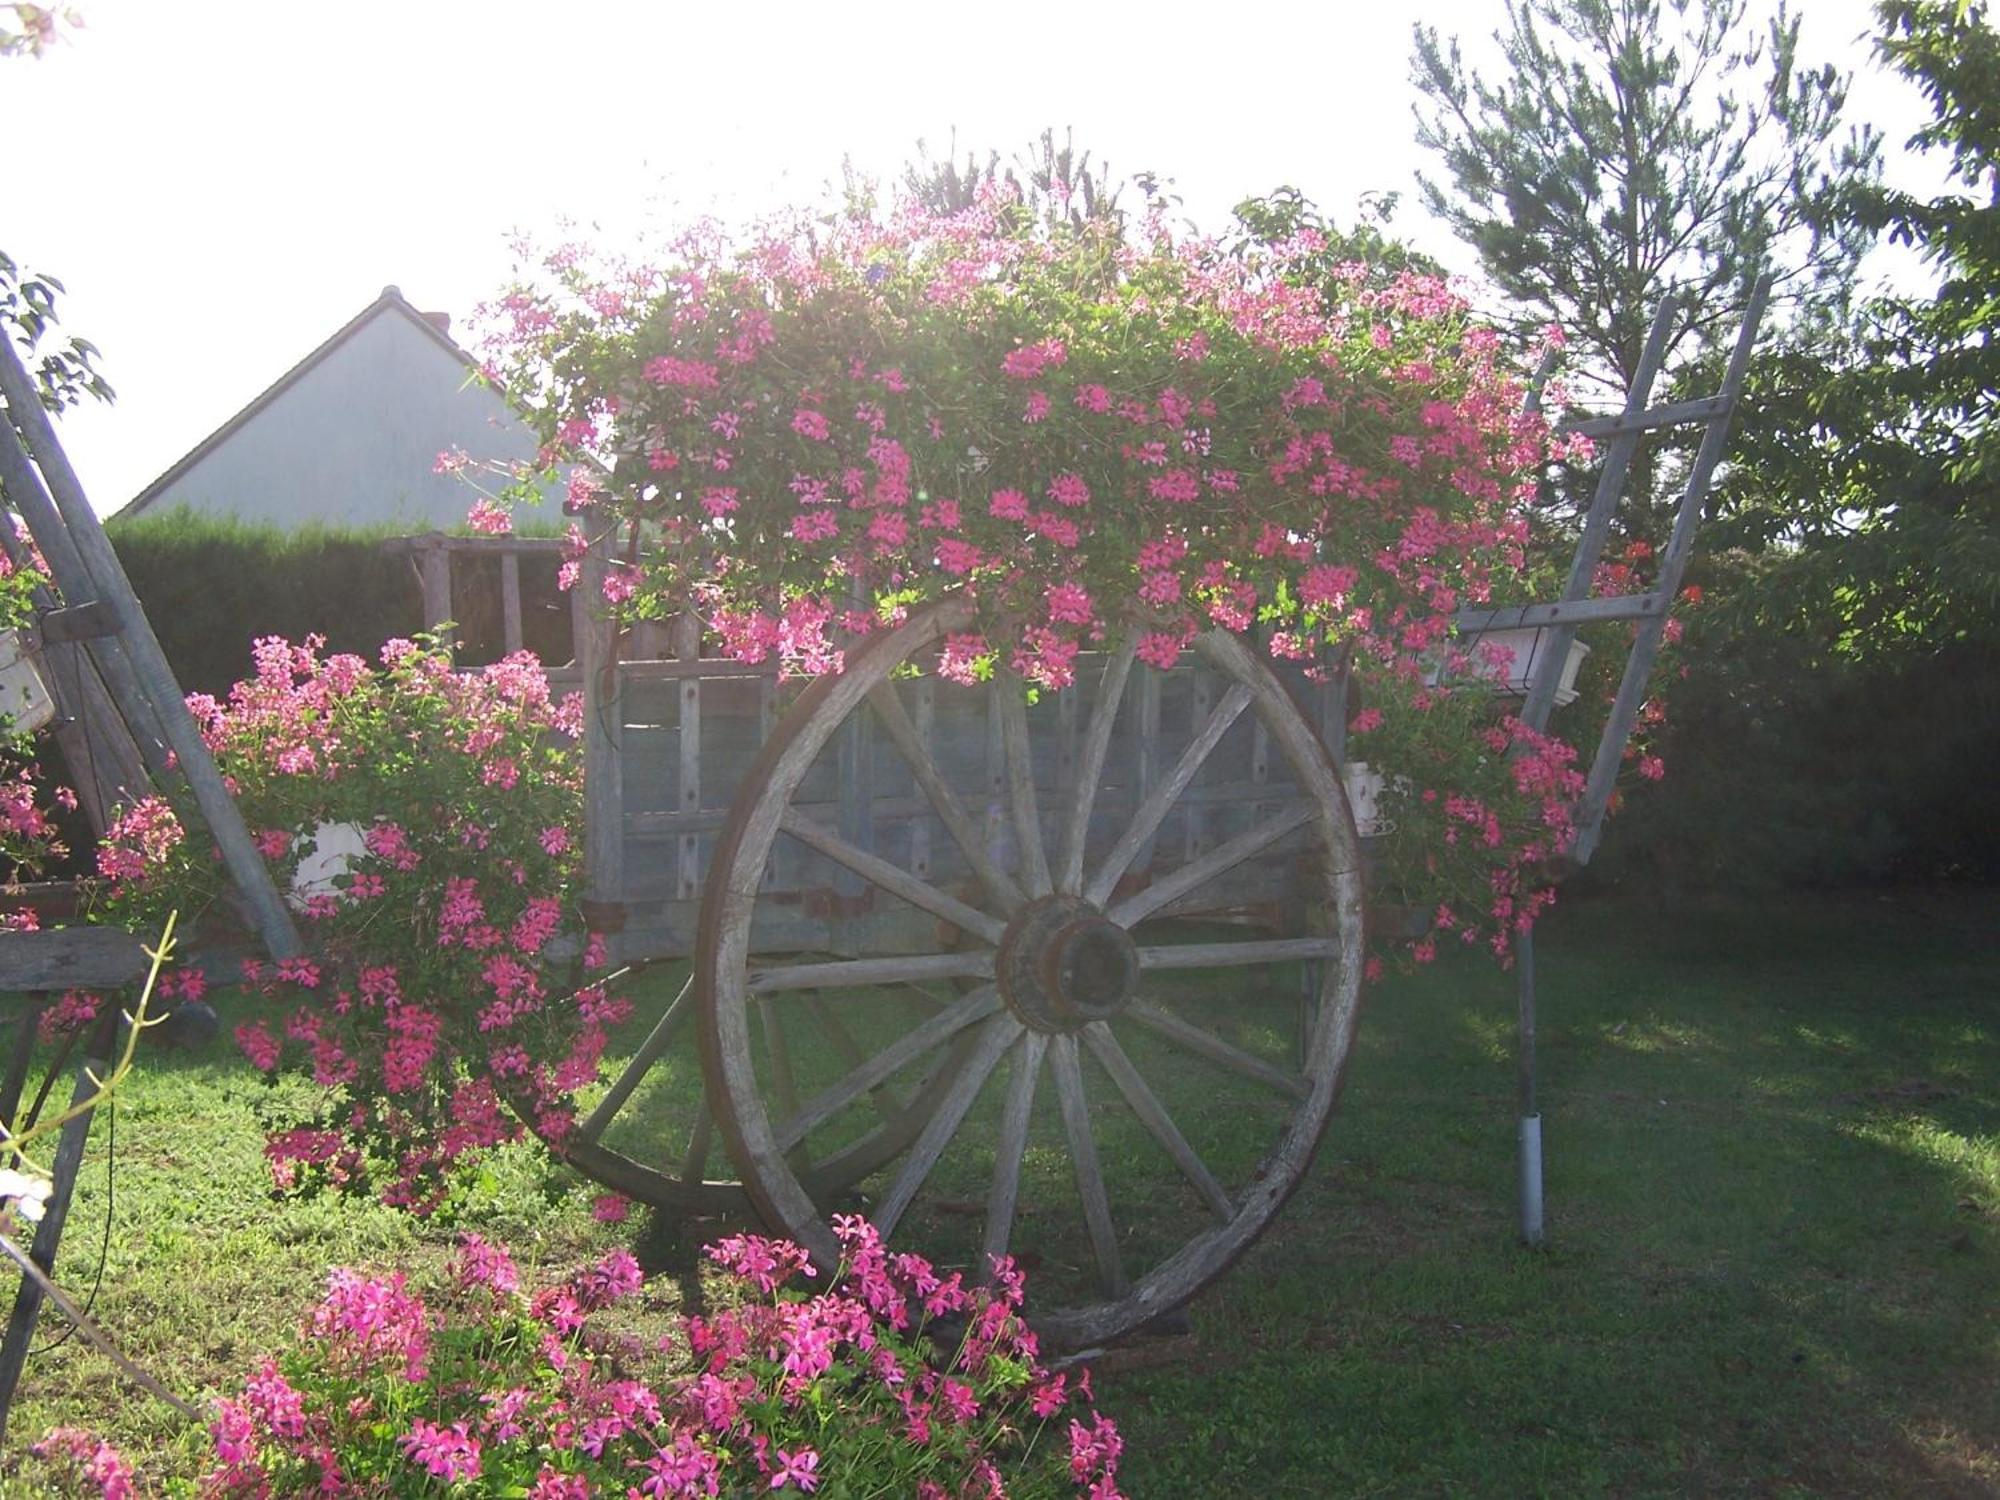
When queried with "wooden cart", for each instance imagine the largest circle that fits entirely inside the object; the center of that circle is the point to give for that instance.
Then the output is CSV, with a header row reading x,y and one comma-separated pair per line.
x,y
1074,979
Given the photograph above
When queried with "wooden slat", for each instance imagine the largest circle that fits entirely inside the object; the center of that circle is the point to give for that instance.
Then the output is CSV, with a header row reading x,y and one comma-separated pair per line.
x,y
71,958
510,601
1135,908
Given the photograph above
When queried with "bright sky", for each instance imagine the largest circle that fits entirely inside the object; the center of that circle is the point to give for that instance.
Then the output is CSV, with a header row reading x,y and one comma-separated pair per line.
x,y
222,185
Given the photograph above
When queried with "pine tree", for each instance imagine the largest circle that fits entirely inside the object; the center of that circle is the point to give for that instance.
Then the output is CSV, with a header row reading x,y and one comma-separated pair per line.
x,y
1638,147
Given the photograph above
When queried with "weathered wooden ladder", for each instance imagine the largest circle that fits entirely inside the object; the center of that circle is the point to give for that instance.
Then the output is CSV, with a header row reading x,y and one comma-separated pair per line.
x,y
126,732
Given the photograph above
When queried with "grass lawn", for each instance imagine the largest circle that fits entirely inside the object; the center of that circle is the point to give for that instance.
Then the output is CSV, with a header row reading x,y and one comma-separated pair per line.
x,y
1773,1140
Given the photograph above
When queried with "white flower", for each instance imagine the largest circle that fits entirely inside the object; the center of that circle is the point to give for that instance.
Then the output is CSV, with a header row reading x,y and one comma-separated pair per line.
x,y
22,1194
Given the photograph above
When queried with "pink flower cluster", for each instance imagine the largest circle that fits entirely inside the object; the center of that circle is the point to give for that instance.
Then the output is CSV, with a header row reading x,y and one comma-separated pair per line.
x,y
427,1011
774,1392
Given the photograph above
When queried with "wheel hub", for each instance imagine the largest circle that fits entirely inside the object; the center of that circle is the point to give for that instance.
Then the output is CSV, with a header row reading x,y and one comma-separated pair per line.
x,y
1063,964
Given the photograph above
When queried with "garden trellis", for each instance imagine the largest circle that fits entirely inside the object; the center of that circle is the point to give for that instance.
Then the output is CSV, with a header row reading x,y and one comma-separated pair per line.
x,y
897,892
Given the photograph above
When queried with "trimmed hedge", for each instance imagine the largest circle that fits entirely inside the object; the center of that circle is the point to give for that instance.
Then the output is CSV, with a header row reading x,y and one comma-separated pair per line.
x,y
212,585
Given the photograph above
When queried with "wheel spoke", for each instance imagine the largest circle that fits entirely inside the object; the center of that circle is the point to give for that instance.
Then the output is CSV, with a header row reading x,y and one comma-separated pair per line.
x,y
1135,908
1237,955
1216,1050
1025,1068
891,878
1090,765
1153,1114
1021,786
1089,1173
657,1040
778,1049
1153,811
861,972
884,1098
942,1126
951,812
911,1045
694,1166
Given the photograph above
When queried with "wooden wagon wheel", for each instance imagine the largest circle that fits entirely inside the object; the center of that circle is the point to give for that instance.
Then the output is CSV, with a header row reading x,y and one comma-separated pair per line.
x,y
1060,984
680,1180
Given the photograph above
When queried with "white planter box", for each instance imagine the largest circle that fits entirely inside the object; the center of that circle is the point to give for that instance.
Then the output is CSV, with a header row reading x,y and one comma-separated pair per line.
x,y
24,697
1523,650
1364,788
334,847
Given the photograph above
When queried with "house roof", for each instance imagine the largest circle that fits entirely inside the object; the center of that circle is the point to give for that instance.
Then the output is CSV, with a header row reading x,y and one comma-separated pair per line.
x,y
391,301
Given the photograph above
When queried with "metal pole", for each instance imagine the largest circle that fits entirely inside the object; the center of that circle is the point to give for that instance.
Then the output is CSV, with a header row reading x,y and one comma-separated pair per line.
x,y
1530,1129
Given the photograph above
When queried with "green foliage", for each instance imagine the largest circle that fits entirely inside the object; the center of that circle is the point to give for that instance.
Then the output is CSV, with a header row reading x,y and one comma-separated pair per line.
x,y
1059,185
1637,148
66,371
210,586
1774,1137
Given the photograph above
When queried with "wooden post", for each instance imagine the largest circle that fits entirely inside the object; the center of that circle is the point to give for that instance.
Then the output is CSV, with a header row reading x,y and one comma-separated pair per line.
x,y
434,568
1547,672
48,1234
603,721
687,647
103,578
510,600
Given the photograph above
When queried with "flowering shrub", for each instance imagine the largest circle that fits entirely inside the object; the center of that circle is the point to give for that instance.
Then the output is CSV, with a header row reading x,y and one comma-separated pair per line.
x,y
29,837
807,433
422,820
898,1382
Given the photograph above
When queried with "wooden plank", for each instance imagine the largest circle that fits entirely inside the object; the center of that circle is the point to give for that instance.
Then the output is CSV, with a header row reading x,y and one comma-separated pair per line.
x,y
1632,689
923,717
650,1051
1700,409
518,546
434,571
603,767
510,601
950,811
71,958
1135,908
1236,955
688,780
1216,1050
1561,612
1201,702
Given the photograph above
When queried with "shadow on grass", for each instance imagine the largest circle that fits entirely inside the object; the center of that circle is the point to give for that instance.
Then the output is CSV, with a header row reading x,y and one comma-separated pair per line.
x,y
1774,1166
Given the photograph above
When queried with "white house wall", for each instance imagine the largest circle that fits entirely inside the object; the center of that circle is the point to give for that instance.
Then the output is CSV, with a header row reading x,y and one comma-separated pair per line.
x,y
354,439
